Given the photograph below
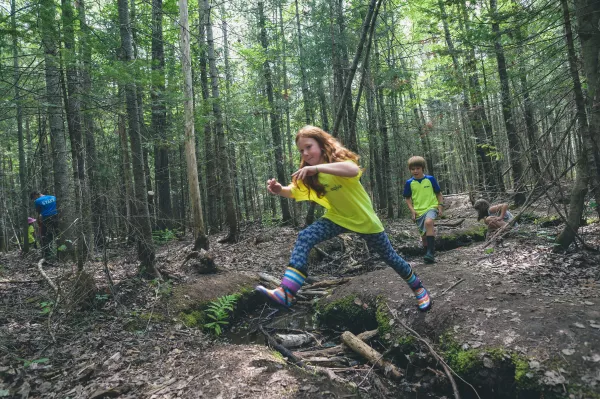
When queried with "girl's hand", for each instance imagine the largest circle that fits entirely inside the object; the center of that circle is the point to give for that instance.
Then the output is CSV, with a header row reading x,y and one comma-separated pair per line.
x,y
413,214
273,186
305,172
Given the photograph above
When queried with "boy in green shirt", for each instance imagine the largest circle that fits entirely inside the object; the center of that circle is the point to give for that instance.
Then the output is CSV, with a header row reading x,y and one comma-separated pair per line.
x,y
424,199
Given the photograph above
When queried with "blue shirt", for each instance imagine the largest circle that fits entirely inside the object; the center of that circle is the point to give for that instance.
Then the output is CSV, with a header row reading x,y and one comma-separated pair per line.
x,y
422,192
46,206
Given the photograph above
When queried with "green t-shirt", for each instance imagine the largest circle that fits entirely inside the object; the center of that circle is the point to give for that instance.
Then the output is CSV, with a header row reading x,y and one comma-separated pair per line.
x,y
422,193
347,203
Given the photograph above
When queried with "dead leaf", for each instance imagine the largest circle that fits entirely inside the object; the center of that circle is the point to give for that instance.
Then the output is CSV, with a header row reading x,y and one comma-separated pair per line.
x,y
568,352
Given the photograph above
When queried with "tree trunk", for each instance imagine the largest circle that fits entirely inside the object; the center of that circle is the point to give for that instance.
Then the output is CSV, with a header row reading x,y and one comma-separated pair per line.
x,y
303,82
83,227
62,182
201,241
588,16
352,143
143,229
159,122
23,192
97,219
513,138
274,117
209,152
585,157
227,189
487,178
127,179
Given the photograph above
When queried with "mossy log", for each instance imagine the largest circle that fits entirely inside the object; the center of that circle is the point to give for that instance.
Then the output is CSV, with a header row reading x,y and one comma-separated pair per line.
x,y
448,239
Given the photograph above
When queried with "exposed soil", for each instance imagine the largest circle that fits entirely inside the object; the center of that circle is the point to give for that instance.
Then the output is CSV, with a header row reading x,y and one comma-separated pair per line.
x,y
523,321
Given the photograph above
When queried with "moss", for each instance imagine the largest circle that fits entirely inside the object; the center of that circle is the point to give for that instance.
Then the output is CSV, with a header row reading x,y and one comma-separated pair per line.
x,y
348,312
524,374
194,318
383,317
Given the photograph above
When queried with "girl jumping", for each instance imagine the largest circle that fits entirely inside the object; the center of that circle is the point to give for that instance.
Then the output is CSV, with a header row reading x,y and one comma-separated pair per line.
x,y
329,175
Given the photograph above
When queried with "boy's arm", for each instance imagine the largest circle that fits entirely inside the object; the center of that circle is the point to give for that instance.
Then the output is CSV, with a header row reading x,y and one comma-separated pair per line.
x,y
440,199
409,203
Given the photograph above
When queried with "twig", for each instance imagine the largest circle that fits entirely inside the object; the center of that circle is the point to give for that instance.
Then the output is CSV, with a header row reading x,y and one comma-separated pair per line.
x,y
452,286
447,368
325,254
56,290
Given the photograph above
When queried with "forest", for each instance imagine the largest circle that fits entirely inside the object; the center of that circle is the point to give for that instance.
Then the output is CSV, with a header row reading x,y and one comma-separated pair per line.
x,y
156,125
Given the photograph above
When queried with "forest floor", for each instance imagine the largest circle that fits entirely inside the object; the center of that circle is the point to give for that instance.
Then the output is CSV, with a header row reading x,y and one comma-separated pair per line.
x,y
513,319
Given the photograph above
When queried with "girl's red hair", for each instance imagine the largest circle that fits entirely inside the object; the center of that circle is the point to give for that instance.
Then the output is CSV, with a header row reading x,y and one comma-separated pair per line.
x,y
333,151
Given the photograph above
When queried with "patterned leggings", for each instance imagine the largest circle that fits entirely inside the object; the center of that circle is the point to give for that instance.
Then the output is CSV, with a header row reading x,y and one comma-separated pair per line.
x,y
324,229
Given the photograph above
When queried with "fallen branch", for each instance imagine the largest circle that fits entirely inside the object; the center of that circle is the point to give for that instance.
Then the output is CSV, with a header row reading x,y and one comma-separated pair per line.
x,y
22,281
325,254
56,301
280,348
335,350
452,286
328,283
447,368
269,279
43,273
374,357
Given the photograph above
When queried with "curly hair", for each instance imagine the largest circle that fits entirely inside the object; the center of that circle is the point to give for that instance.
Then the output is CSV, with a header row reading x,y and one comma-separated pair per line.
x,y
332,149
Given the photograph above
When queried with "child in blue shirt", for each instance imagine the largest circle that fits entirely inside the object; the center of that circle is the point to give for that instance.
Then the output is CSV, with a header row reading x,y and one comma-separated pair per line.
x,y
45,205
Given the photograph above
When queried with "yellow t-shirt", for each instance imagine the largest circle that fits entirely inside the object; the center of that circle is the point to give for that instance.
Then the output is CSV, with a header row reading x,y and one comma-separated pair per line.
x,y
347,203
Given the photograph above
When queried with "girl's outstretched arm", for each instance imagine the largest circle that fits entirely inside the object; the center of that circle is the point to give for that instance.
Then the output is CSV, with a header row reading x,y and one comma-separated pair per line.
x,y
342,169
274,187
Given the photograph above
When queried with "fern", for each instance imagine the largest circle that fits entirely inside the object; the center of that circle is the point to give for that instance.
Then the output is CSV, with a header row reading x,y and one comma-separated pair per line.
x,y
218,311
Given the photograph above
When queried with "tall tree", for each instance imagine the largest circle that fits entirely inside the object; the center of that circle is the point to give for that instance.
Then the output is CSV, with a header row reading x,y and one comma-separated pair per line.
x,y
143,229
159,120
210,163
274,116
585,160
83,225
514,147
225,173
62,182
22,215
201,241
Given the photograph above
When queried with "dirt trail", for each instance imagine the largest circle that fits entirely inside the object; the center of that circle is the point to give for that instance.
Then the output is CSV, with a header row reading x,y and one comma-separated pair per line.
x,y
522,320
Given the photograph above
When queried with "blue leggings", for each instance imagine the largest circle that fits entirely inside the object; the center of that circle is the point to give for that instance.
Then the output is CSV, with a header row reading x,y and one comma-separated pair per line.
x,y
324,229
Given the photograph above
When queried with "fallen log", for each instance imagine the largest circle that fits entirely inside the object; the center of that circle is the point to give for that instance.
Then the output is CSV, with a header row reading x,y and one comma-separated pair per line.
x,y
313,292
335,350
293,340
372,356
327,361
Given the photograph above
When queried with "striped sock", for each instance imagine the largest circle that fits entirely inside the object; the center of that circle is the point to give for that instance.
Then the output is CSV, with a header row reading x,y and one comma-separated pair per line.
x,y
292,281
420,292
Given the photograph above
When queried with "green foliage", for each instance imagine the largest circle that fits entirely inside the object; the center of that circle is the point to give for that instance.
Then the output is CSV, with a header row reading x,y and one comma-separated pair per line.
x,y
218,311
489,251
193,319
161,237
162,288
46,307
